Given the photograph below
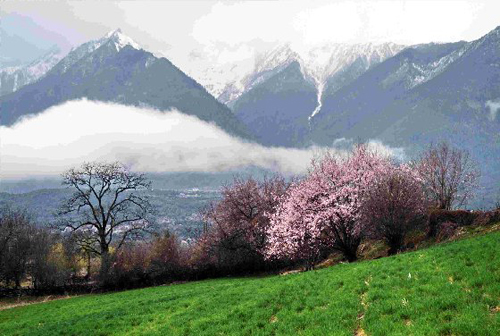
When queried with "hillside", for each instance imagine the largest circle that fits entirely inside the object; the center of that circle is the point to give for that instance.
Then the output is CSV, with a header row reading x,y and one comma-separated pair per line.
x,y
449,289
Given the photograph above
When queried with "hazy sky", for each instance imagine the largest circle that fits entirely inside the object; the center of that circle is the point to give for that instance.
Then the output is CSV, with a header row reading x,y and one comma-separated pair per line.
x,y
231,31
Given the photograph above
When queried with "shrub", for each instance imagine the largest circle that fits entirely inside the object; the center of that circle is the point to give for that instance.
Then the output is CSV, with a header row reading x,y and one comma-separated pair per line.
x,y
129,267
51,267
167,257
459,217
487,217
446,231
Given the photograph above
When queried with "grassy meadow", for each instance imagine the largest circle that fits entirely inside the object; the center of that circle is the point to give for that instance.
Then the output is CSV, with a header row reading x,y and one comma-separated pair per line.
x,y
448,289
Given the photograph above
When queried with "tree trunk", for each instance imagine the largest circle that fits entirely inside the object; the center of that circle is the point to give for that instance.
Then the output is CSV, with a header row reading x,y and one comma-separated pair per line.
x,y
351,255
395,244
88,266
105,264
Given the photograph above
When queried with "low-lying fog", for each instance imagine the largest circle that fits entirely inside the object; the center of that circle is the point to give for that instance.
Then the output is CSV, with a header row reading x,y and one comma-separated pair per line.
x,y
66,135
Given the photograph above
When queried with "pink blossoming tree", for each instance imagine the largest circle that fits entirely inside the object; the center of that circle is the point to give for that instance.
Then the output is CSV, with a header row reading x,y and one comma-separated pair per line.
x,y
237,224
323,210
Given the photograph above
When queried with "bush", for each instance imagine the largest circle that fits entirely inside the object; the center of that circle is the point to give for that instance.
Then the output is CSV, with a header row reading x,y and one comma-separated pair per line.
x,y
459,217
487,217
50,266
236,235
129,267
446,231
16,242
167,258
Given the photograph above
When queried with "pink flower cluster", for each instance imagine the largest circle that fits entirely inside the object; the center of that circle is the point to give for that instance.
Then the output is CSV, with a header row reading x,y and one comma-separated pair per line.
x,y
324,209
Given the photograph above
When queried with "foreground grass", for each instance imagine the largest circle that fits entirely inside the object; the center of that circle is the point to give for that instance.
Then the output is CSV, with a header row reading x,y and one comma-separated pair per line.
x,y
449,289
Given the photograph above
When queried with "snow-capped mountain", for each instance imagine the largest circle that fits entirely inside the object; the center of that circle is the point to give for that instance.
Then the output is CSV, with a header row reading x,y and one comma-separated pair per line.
x,y
285,90
13,78
265,66
115,69
115,39
318,64
323,62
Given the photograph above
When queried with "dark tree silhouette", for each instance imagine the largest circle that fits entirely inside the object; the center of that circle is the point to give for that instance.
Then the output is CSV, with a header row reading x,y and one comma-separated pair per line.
x,y
16,238
105,207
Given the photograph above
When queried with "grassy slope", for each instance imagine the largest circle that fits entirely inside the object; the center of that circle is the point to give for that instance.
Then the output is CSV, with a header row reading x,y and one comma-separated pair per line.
x,y
449,289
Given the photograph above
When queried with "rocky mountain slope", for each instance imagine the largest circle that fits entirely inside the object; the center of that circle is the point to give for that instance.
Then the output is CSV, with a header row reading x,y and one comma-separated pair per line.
x,y
278,114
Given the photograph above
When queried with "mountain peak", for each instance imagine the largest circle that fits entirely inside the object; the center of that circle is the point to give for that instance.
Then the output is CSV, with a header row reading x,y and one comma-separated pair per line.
x,y
113,32
120,40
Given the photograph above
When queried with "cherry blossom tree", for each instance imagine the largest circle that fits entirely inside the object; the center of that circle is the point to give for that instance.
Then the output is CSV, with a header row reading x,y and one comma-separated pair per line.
x,y
323,210
238,222
395,204
449,174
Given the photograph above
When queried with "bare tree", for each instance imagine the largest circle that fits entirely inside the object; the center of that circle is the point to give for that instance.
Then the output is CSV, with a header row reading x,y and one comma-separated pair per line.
x,y
449,174
105,206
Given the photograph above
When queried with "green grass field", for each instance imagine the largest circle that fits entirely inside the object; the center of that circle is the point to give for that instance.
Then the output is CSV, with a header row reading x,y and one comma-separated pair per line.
x,y
449,289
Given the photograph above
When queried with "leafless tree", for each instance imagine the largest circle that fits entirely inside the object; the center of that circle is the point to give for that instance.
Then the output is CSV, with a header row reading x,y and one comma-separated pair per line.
x,y
449,174
105,206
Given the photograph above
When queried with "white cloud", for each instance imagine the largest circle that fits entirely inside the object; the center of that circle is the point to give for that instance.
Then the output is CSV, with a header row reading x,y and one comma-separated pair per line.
x,y
66,135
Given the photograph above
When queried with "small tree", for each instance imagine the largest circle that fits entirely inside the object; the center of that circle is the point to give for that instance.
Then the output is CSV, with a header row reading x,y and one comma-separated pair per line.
x,y
16,237
106,206
323,210
449,175
394,205
166,255
51,265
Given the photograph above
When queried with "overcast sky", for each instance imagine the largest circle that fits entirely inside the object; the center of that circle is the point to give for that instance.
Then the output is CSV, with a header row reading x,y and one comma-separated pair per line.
x,y
231,31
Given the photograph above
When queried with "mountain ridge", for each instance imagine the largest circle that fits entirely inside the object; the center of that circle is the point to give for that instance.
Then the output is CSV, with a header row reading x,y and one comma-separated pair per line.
x,y
112,69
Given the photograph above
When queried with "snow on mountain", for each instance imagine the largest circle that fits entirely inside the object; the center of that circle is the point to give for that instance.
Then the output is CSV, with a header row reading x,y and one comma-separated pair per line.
x,y
115,38
13,78
415,71
216,75
317,64
120,40
423,72
323,62
265,66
